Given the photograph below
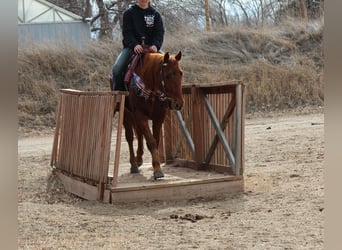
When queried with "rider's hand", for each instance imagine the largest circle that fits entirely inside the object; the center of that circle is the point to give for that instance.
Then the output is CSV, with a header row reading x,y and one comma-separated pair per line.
x,y
153,49
138,49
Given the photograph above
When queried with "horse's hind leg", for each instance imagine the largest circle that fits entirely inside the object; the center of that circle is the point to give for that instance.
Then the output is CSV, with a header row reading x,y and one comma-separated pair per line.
x,y
140,149
129,137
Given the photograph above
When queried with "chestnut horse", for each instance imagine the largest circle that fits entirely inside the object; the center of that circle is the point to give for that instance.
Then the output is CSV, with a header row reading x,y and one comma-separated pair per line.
x,y
156,86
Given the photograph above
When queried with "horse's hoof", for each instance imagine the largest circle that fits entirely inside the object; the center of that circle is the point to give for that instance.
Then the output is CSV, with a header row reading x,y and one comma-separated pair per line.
x,y
134,170
158,175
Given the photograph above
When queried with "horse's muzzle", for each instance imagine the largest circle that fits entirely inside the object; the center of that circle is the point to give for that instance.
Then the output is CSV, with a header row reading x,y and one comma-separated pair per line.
x,y
177,105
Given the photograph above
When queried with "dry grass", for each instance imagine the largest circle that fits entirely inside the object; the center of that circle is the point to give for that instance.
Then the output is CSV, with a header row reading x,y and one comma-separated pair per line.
x,y
281,66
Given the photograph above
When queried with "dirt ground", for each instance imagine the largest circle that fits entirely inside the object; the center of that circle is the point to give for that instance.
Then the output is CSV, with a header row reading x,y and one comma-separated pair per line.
x,y
282,206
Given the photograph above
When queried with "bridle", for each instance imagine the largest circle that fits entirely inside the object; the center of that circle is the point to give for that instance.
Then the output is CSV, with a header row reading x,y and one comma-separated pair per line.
x,y
163,95
160,95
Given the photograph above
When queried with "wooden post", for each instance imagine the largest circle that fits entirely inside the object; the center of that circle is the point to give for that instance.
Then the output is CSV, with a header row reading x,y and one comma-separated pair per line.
x,y
243,106
55,140
118,141
207,19
197,125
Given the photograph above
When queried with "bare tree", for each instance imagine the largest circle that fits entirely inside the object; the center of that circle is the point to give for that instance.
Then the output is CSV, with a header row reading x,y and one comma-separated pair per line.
x,y
79,7
218,12
244,10
178,15
109,15
104,27
257,12
303,9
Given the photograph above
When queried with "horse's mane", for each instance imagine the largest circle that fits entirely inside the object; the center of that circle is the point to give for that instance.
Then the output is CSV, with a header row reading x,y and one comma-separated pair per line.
x,y
149,70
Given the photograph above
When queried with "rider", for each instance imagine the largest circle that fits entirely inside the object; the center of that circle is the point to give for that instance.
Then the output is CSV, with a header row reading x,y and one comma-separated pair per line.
x,y
140,20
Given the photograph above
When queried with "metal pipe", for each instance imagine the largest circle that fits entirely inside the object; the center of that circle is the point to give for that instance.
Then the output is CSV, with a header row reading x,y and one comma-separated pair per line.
x,y
238,126
219,132
186,132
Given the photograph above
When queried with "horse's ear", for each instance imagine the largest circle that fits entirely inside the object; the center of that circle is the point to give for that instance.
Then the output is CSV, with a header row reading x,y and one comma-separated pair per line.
x,y
178,56
166,57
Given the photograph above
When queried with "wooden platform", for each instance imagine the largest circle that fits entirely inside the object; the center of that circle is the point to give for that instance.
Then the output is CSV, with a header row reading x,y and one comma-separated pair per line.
x,y
179,183
208,133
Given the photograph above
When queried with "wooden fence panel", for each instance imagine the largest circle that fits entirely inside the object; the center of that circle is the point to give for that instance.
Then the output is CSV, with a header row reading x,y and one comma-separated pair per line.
x,y
215,124
83,134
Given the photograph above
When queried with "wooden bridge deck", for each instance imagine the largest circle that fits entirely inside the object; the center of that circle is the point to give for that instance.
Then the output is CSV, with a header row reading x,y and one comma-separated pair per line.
x,y
178,183
207,134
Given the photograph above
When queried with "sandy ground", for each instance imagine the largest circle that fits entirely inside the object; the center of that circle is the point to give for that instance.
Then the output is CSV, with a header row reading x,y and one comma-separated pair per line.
x,y
282,206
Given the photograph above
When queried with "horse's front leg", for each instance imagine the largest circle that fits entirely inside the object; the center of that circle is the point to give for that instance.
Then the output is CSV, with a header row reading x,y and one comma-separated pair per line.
x,y
140,149
152,145
156,128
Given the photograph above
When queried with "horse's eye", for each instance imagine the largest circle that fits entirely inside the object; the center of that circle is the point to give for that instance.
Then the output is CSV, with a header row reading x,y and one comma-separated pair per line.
x,y
172,74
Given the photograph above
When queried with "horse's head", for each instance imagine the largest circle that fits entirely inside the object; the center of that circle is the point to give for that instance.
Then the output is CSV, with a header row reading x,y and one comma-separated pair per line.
x,y
171,74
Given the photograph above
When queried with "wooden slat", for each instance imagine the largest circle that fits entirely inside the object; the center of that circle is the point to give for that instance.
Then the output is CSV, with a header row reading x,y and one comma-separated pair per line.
x,y
83,136
103,110
118,142
55,140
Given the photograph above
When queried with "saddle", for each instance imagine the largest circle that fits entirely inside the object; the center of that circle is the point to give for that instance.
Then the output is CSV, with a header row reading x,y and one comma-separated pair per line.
x,y
128,74
133,64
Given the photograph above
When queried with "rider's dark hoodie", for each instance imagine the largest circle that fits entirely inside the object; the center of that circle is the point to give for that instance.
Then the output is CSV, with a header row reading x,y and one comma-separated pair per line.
x,y
138,22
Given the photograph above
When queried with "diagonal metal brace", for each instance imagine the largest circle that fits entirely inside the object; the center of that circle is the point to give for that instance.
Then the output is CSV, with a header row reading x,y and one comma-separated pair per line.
x,y
223,125
219,132
186,132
